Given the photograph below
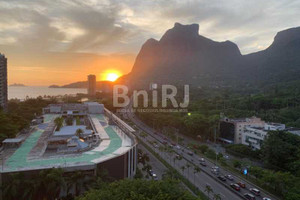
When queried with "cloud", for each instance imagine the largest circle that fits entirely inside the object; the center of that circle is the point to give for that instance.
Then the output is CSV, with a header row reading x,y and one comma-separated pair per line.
x,y
112,26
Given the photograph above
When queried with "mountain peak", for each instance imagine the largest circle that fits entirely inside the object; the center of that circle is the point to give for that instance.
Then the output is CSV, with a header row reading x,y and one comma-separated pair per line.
x,y
192,28
286,36
180,31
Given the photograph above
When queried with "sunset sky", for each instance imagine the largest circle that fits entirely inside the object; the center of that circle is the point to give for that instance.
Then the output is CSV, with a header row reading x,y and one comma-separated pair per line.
x,y
59,42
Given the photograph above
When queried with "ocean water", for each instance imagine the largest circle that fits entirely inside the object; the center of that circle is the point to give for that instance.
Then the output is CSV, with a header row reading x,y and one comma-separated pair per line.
x,y
35,91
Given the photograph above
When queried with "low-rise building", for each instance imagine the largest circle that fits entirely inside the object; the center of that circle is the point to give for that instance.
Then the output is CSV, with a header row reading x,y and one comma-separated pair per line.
x,y
99,145
254,135
231,130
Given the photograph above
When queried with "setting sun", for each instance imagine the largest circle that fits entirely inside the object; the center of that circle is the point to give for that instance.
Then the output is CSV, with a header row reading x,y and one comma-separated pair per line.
x,y
112,76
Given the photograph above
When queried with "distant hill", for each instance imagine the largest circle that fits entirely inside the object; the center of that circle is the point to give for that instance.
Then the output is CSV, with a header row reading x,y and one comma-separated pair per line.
x,y
83,84
182,56
17,85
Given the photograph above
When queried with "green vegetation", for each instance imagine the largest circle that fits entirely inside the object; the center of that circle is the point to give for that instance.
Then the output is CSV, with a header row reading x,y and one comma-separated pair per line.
x,y
241,150
138,189
45,185
69,121
77,121
59,122
278,103
281,151
20,115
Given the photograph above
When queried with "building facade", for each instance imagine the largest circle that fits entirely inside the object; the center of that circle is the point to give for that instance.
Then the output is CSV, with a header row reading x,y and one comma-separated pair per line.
x,y
231,130
3,81
254,135
91,85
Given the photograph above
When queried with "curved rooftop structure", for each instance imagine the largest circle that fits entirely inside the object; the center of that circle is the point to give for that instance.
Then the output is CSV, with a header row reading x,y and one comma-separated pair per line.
x,y
116,142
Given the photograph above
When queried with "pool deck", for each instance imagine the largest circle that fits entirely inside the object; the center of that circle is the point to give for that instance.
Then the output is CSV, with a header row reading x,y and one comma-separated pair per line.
x,y
116,144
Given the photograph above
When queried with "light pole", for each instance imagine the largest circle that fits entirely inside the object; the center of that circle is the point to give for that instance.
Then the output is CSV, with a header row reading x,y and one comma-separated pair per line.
x,y
215,134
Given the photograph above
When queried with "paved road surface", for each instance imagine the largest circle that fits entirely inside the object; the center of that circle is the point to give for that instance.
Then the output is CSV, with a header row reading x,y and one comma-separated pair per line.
x,y
206,177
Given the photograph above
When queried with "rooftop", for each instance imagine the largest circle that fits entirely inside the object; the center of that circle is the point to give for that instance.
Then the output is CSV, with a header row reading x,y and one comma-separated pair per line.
x,y
113,143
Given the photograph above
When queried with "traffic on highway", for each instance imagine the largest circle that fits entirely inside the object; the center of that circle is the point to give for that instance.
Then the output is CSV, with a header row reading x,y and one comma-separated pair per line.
x,y
220,180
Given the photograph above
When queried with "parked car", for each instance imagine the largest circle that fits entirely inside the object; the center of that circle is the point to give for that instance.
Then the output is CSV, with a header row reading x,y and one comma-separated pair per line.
x,y
178,147
266,198
190,153
164,142
229,177
222,178
249,196
156,145
235,186
242,185
255,191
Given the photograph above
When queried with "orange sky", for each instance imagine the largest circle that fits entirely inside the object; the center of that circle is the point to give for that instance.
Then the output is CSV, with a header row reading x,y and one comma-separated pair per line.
x,y
112,32
43,69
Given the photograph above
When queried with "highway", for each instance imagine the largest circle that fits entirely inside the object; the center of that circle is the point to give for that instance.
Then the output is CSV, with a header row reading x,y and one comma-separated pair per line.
x,y
200,180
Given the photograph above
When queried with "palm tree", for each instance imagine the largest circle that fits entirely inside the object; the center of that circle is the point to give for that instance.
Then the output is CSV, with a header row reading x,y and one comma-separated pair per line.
x,y
144,158
79,132
182,168
208,189
147,168
188,168
59,121
12,188
161,149
217,197
196,171
77,179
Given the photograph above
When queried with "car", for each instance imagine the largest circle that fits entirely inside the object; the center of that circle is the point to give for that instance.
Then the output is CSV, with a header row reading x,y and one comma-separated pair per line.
x,y
235,186
164,142
150,172
229,177
266,198
178,147
164,138
154,176
241,184
222,178
216,172
173,144
202,162
215,168
155,145
249,196
190,153
226,157
255,191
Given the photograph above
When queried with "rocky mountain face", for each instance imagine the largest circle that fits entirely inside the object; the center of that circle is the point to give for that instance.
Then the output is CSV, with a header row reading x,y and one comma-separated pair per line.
x,y
182,56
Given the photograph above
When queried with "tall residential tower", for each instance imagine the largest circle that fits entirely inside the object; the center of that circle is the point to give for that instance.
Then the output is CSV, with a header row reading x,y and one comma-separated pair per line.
x,y
3,81
91,85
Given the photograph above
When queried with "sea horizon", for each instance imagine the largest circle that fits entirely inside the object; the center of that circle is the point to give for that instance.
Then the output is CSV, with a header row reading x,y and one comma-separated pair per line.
x,y
23,92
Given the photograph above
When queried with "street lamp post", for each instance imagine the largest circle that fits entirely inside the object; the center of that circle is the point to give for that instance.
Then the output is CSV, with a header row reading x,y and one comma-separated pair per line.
x,y
215,134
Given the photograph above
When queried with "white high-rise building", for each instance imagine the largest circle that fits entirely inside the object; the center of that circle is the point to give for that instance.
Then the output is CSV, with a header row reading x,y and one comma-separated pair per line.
x,y
3,81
